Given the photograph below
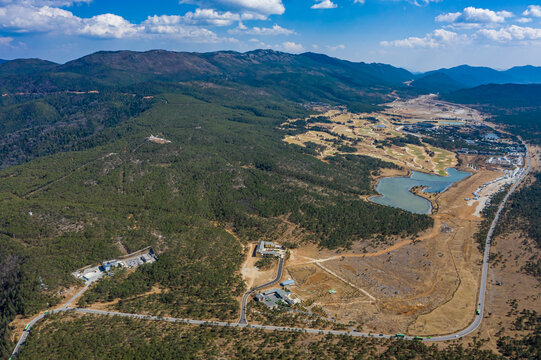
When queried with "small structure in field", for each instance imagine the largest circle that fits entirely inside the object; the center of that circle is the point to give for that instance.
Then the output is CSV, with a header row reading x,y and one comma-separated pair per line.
x,y
288,282
158,140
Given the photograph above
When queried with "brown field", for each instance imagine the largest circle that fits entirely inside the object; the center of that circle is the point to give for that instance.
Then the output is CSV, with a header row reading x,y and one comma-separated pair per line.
x,y
424,286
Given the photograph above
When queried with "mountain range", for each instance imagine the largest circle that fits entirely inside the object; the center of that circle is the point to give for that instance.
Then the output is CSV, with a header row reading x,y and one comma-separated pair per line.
x,y
322,76
464,76
308,76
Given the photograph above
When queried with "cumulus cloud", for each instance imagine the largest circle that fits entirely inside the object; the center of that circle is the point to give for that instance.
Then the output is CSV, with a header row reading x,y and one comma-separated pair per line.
x,y
513,32
109,26
436,39
256,7
325,4
475,16
533,10
524,20
50,19
23,19
173,26
292,47
275,30
211,17
31,19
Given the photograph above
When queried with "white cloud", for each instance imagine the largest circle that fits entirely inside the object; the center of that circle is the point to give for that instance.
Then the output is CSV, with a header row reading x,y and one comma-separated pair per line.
x,y
423,2
256,7
23,19
292,47
275,30
325,4
5,41
533,10
337,47
436,39
449,17
211,17
524,20
511,33
40,3
29,19
358,2
173,26
475,16
109,26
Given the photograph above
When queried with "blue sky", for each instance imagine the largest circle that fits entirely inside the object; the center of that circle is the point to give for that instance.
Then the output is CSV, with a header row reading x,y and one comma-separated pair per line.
x,y
416,34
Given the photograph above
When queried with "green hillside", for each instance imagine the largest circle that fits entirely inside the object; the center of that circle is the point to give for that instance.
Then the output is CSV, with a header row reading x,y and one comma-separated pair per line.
x,y
517,106
98,188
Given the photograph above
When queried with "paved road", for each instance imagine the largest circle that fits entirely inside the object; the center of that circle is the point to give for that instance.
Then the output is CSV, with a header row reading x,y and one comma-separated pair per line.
x,y
484,274
65,307
242,319
243,323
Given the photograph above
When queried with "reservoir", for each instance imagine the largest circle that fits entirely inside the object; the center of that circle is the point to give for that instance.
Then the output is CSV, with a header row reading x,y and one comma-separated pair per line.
x,y
395,191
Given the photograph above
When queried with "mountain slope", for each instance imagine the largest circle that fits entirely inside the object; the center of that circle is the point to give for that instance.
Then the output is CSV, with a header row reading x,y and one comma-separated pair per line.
x,y
437,81
466,76
324,78
26,66
499,95
525,74
517,106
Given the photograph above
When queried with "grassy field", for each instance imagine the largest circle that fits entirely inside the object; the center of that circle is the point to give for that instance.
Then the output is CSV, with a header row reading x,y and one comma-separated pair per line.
x,y
341,132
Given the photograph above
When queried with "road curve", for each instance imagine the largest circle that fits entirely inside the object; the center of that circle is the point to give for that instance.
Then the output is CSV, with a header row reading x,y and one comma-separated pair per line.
x,y
242,319
242,323
28,326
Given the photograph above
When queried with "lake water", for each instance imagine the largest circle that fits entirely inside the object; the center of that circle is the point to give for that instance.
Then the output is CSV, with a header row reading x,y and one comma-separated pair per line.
x,y
395,191
451,122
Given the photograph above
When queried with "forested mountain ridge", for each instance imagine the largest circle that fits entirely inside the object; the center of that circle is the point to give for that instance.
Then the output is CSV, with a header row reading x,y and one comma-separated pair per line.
x,y
517,106
122,68
465,76
50,107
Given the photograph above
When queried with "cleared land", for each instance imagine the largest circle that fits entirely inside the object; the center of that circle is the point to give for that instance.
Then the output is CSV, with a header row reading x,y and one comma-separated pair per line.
x,y
370,135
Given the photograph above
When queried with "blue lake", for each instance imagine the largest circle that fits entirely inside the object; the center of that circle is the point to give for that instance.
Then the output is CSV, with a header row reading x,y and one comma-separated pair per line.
x,y
451,122
395,191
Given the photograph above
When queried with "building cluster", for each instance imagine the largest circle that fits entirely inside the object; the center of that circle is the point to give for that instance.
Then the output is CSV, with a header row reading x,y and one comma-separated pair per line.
x,y
506,160
509,177
92,273
266,248
274,298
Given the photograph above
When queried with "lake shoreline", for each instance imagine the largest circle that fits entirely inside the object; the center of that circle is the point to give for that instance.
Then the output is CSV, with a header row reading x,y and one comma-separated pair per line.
x,y
397,191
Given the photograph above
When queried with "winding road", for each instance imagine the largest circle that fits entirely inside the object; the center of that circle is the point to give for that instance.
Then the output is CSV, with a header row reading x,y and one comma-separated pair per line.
x,y
242,322
242,319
